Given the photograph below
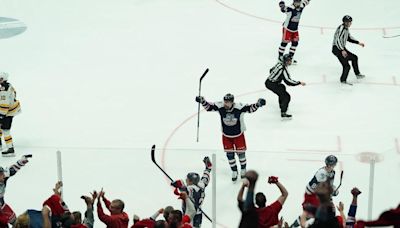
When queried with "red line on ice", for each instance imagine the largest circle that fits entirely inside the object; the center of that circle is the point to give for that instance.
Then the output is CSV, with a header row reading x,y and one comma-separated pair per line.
x,y
306,26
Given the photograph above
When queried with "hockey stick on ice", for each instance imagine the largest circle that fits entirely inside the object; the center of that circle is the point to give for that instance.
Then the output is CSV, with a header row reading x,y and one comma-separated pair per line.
x,y
198,107
391,36
153,149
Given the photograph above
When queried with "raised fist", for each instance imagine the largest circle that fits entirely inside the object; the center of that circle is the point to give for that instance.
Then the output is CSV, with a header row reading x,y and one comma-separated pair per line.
x,y
178,184
199,99
207,162
355,192
272,179
261,102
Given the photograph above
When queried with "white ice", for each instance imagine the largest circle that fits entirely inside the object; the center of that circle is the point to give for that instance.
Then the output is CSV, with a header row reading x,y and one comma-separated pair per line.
x,y
102,81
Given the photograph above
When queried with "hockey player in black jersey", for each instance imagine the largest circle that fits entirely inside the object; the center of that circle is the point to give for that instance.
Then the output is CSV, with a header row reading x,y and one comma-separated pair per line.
x,y
280,73
233,128
290,32
342,35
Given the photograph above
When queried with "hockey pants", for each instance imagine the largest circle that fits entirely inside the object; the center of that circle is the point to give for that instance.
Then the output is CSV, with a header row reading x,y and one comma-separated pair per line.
x,y
280,90
345,62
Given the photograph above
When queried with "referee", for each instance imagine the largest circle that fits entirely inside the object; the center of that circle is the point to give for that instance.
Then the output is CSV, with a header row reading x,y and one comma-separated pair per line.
x,y
342,35
280,73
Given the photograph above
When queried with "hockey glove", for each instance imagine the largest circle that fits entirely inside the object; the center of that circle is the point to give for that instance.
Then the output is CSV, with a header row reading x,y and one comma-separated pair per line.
x,y
178,184
24,159
272,180
207,162
261,102
200,99
282,4
176,192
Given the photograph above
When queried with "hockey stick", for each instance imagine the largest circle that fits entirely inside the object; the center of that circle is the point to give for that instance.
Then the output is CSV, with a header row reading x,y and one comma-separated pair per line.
x,y
198,107
153,149
59,169
340,183
391,36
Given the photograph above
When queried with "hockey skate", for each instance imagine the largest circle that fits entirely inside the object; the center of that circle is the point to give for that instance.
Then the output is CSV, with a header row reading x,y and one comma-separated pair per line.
x,y
234,175
243,173
360,76
286,116
346,83
8,153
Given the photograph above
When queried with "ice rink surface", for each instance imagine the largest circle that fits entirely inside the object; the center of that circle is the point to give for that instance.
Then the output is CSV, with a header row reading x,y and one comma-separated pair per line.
x,y
102,81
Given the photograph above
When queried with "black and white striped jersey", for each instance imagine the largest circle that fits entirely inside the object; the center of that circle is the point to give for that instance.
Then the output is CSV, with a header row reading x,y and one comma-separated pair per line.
x,y
293,16
278,73
342,35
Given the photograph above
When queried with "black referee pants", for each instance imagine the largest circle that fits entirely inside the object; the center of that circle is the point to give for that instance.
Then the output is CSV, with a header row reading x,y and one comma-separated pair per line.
x,y
280,90
345,62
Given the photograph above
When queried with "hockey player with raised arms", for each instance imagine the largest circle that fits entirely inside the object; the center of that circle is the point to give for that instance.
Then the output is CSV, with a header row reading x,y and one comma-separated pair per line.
x,y
290,26
7,215
233,128
195,188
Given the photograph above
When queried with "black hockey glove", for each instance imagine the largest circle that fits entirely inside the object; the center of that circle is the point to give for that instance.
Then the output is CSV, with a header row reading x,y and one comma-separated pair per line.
x,y
261,102
200,99
207,162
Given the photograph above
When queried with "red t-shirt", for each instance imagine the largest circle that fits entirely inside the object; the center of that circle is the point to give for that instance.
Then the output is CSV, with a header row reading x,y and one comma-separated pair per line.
x,y
268,216
144,223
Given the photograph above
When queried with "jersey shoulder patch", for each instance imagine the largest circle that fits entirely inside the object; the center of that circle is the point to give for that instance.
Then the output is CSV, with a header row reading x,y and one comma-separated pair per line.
x,y
239,105
219,104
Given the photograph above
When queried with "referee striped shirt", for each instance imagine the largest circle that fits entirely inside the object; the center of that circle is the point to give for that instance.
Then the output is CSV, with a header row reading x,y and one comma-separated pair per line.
x,y
278,73
342,35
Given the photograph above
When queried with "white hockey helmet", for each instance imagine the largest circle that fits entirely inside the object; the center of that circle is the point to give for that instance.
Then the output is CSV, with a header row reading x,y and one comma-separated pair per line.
x,y
4,76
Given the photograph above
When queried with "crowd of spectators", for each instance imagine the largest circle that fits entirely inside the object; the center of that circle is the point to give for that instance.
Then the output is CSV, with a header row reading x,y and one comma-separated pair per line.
x,y
255,212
